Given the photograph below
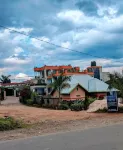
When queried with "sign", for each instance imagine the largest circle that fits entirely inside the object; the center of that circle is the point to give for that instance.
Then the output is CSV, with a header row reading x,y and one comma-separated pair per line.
x,y
112,101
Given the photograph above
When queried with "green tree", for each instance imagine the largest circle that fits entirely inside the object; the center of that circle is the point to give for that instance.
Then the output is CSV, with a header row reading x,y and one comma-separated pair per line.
x,y
60,83
116,81
5,79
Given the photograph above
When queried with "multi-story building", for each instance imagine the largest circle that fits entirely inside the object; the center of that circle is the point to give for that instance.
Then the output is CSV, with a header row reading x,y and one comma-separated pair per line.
x,y
46,73
97,72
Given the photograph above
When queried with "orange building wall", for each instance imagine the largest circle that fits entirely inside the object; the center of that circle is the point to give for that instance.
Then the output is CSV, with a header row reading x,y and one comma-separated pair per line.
x,y
80,94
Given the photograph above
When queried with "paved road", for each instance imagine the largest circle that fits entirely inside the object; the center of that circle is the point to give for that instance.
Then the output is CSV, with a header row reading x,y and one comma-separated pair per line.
x,y
106,138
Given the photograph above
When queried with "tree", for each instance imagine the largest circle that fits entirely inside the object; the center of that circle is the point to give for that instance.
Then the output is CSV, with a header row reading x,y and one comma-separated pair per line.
x,y
116,81
5,79
60,83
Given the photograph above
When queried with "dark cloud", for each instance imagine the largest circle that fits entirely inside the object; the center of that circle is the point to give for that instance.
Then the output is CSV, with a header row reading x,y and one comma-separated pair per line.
x,y
89,7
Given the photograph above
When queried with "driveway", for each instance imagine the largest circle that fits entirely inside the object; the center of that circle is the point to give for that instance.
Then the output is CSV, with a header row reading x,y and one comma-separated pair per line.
x,y
106,138
10,100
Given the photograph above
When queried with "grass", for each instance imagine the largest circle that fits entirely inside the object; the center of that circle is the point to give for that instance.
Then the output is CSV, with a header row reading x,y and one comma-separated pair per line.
x,y
9,123
105,110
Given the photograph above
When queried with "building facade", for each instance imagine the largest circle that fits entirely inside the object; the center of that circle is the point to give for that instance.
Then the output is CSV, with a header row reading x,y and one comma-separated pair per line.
x,y
46,73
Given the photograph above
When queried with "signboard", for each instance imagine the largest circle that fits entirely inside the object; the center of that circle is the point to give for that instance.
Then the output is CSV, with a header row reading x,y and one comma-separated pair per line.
x,y
112,101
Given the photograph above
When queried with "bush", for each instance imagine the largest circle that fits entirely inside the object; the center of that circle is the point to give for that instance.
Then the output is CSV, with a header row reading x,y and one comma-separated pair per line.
x,y
9,124
91,100
87,102
63,107
29,102
101,110
25,94
76,107
34,96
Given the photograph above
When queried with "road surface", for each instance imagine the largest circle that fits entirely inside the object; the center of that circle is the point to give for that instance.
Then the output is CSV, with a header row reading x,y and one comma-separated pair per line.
x,y
106,138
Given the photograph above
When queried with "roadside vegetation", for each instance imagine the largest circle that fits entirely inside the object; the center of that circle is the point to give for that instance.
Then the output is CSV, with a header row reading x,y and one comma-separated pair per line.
x,y
9,123
116,81
34,100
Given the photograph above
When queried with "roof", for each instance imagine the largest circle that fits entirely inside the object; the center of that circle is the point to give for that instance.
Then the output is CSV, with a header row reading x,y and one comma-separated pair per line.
x,y
88,83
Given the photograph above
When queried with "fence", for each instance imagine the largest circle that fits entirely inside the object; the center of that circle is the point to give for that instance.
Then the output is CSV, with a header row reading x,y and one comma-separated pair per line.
x,y
47,100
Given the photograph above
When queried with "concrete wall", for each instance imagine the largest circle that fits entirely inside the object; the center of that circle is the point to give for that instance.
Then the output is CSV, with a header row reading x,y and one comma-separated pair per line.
x,y
77,93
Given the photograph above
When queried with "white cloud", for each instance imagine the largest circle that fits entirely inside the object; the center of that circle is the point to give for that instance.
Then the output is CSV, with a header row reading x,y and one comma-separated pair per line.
x,y
113,69
37,43
66,44
73,15
18,50
15,60
22,76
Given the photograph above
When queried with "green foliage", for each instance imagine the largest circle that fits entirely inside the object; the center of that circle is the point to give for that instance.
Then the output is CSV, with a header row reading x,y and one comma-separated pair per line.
x,y
101,110
29,102
33,97
25,93
60,83
63,107
116,81
91,100
9,124
5,79
76,107
87,102
104,110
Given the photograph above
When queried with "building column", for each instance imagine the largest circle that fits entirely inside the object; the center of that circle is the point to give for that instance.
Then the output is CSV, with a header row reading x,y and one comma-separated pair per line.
x,y
5,95
15,93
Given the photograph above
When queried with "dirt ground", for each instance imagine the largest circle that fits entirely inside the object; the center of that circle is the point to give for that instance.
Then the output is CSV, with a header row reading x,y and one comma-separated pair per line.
x,y
33,115
47,121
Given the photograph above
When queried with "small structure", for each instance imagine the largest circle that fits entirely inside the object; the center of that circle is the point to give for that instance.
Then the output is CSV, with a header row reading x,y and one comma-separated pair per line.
x,y
82,86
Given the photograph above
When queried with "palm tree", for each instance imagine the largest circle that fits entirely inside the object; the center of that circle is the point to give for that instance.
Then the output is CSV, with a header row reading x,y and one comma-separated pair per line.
x,y
5,79
60,83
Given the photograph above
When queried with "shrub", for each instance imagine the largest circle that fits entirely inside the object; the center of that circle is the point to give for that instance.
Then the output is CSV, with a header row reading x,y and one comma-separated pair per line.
x,y
29,102
34,96
76,107
101,110
87,102
25,93
63,107
91,100
9,124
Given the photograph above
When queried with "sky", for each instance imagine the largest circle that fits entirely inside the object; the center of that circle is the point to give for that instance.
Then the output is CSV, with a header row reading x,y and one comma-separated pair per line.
x,y
89,26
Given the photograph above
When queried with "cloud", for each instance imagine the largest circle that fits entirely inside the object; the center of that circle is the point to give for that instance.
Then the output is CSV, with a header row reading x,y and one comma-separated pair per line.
x,y
18,50
93,27
13,60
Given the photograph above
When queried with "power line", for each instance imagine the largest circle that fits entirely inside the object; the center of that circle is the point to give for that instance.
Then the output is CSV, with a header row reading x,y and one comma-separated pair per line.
x,y
50,42
73,50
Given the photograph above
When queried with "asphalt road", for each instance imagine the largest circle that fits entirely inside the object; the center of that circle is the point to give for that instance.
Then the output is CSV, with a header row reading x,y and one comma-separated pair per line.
x,y
106,138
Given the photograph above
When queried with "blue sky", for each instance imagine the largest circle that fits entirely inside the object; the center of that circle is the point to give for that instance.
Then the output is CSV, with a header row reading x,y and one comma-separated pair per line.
x,y
90,26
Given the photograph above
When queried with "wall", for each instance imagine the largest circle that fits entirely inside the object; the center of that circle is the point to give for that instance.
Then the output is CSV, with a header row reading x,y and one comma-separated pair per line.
x,y
98,94
75,94
80,93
